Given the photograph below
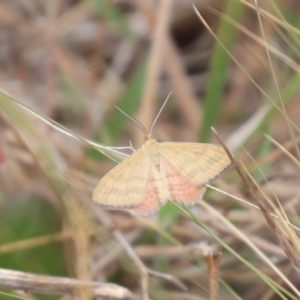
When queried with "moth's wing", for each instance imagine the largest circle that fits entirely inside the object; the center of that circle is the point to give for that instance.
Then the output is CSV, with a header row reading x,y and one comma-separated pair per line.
x,y
124,186
198,164
178,186
153,198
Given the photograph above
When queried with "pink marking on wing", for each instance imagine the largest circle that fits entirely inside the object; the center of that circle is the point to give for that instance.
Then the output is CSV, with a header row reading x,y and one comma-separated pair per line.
x,y
179,187
151,201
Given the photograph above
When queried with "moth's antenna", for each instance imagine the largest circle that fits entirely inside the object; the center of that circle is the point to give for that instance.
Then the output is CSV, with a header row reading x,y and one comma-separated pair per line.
x,y
153,123
133,120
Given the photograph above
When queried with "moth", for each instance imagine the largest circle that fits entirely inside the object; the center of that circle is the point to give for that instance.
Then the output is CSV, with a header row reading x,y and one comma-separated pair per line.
x,y
158,172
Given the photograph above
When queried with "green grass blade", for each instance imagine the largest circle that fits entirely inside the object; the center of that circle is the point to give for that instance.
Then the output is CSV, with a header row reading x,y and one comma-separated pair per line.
x,y
219,69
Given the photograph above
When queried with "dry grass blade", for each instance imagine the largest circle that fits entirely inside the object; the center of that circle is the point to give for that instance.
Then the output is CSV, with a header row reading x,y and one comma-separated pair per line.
x,y
147,108
34,242
276,230
180,85
278,91
271,17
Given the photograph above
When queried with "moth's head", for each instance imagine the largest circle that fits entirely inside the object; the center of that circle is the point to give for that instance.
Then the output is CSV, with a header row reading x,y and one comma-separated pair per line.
x,y
149,136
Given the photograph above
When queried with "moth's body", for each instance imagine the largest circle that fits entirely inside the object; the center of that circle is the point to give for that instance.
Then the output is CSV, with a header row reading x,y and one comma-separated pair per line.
x,y
152,148
158,172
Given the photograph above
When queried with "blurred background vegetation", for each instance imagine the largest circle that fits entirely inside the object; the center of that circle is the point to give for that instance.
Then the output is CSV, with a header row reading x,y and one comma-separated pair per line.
x,y
72,61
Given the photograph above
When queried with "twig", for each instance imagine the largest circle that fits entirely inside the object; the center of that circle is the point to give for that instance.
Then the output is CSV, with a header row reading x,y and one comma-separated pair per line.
x,y
213,259
144,271
213,263
59,285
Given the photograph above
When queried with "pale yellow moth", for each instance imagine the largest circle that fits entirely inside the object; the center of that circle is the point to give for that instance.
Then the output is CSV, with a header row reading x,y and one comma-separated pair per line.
x,y
158,172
